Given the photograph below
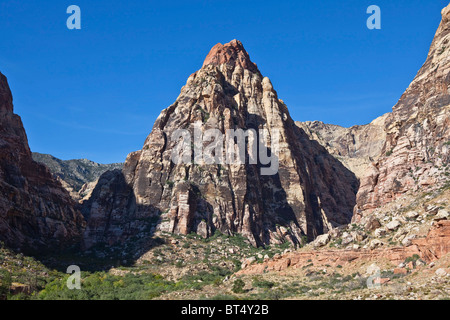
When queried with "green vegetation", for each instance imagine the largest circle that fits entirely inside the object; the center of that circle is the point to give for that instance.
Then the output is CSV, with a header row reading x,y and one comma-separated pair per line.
x,y
223,297
24,271
238,286
103,286
132,286
5,283
205,114
389,153
170,183
257,283
414,258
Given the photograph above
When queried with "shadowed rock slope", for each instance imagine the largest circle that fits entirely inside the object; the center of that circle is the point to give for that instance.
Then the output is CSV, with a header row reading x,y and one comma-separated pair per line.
x,y
36,213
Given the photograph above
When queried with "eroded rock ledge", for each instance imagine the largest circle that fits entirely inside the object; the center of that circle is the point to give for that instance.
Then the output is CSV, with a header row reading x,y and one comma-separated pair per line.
x,y
433,247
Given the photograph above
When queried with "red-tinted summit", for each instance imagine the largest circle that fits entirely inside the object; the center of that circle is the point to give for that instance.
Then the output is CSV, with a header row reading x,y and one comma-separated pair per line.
x,y
232,53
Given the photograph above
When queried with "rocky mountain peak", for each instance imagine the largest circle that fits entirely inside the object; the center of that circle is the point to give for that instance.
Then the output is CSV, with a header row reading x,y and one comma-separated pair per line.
x,y
232,54
309,193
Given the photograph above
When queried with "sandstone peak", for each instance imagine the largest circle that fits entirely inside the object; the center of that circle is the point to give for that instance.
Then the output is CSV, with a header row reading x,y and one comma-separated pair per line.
x,y
227,94
232,53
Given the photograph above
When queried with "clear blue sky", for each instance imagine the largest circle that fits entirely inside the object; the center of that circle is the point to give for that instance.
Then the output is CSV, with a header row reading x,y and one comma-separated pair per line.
x,y
95,93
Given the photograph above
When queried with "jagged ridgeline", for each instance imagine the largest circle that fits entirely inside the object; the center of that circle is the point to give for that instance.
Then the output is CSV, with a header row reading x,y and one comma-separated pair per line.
x,y
310,193
77,175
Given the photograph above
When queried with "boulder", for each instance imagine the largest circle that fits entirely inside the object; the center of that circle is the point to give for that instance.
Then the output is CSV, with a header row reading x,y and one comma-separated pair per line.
x,y
322,240
393,225
372,224
380,232
412,215
442,215
441,272
375,244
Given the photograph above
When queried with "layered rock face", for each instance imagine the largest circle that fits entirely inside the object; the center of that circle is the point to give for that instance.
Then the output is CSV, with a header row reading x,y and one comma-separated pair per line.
x,y
416,152
36,213
310,193
356,147
433,247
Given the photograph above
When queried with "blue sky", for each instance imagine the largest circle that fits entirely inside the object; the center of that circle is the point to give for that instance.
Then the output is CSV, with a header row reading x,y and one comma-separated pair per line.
x,y
94,93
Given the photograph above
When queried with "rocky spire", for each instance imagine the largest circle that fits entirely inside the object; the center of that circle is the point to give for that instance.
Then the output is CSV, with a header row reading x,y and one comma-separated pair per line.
x,y
233,54
311,192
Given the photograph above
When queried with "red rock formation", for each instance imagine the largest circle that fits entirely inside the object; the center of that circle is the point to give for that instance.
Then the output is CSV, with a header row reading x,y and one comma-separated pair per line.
x,y
311,193
36,213
417,146
431,248
232,54
182,214
437,243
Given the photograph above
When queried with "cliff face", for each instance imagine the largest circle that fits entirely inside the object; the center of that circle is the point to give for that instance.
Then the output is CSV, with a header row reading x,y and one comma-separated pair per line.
x,y
36,213
415,155
310,193
356,147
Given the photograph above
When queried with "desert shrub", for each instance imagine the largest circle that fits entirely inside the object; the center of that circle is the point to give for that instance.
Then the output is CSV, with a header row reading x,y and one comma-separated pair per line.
x,y
262,284
238,286
223,297
414,258
103,286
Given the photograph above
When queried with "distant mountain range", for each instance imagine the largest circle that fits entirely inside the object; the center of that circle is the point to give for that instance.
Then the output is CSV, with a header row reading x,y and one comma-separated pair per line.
x,y
75,173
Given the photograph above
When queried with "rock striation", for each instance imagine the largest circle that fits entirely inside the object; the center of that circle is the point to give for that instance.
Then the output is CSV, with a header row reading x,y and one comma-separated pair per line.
x,y
406,150
311,192
356,147
417,133
431,248
36,213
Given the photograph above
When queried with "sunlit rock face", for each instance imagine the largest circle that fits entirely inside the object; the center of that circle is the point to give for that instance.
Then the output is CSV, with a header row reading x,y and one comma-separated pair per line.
x,y
310,193
357,147
36,213
415,155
